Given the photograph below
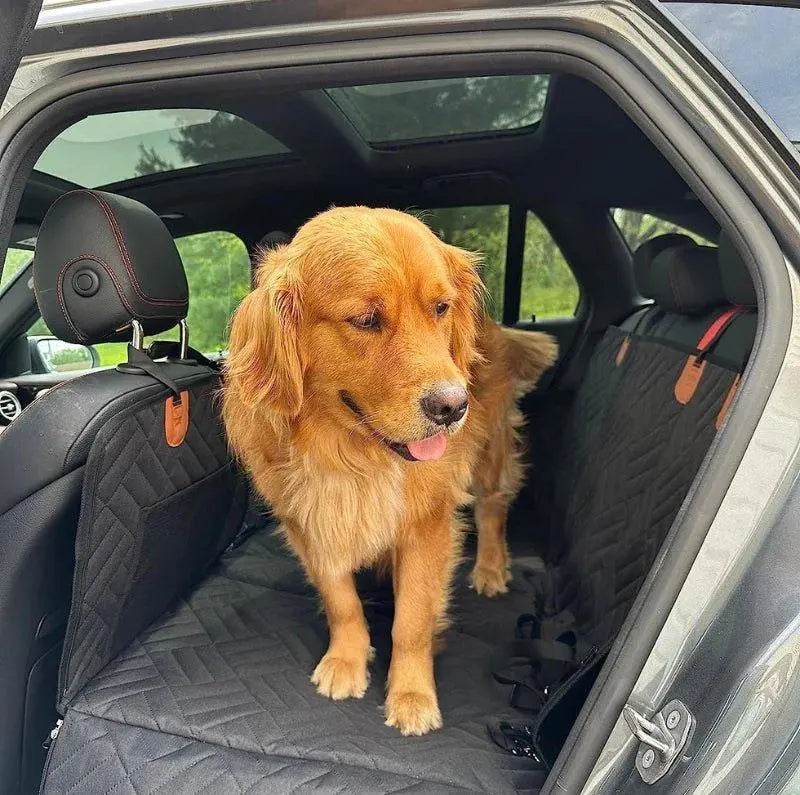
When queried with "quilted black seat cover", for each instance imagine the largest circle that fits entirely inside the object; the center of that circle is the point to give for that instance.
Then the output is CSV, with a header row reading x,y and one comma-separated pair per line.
x,y
153,519
216,697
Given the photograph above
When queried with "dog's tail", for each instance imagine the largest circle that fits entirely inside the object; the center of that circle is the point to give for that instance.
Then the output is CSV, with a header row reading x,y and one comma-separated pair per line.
x,y
529,353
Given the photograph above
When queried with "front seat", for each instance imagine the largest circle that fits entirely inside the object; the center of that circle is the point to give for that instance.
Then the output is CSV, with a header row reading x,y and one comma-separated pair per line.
x,y
104,266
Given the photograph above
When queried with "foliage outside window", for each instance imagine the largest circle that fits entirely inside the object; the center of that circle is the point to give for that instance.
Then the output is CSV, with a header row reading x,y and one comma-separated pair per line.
x,y
218,271
549,288
483,230
442,108
16,259
112,147
638,228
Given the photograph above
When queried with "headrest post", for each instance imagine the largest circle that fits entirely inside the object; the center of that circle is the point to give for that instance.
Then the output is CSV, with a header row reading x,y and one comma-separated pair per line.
x,y
138,335
184,338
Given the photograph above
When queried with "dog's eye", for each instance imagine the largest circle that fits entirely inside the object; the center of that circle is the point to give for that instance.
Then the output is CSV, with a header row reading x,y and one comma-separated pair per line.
x,y
371,321
441,308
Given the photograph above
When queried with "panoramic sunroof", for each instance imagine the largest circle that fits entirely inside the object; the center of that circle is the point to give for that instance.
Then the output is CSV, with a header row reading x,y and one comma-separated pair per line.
x,y
391,112
112,147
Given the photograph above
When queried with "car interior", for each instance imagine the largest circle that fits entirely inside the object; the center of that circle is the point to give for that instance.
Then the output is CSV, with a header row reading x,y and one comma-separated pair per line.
x,y
155,626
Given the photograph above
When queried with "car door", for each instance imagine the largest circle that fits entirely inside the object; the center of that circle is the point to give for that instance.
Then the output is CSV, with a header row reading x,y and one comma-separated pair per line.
x,y
658,47
727,646
18,20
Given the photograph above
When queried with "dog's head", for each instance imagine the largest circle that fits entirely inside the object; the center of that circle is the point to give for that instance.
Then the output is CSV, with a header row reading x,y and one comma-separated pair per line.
x,y
365,317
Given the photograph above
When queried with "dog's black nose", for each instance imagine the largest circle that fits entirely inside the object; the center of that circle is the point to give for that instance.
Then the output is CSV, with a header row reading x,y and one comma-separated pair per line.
x,y
445,404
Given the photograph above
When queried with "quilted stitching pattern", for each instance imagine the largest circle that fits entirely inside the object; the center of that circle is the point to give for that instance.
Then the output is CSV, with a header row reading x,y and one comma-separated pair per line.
x,y
582,435
230,666
651,448
216,694
131,468
102,756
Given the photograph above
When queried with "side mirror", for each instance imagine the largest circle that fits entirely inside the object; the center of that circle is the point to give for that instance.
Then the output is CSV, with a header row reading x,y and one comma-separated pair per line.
x,y
58,356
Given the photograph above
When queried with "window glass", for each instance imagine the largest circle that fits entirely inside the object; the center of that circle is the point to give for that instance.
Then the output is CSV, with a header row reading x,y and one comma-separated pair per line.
x,y
447,107
15,260
549,288
759,45
483,230
111,147
639,227
218,271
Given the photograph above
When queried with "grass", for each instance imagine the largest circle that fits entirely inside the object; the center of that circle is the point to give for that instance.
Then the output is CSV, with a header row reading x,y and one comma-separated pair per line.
x,y
544,302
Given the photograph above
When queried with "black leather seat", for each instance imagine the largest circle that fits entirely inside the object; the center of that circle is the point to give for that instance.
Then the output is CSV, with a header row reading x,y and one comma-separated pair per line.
x,y
101,262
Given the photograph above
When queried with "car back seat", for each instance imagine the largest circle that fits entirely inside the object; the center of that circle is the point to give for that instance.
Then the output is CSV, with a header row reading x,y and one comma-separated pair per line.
x,y
657,389
101,469
216,693
627,471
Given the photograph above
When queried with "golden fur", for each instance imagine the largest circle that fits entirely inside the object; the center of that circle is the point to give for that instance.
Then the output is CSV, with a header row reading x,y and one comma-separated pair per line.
x,y
345,500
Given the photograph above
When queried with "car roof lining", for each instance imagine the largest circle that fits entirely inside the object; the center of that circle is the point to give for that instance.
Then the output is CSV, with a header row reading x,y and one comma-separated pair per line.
x,y
585,150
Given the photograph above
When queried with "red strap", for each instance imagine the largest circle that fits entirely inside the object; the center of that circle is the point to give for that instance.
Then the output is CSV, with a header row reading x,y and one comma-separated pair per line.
x,y
718,326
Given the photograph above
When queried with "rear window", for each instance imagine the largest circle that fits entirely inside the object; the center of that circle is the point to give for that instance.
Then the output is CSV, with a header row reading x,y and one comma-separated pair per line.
x,y
637,228
391,112
481,229
549,288
113,147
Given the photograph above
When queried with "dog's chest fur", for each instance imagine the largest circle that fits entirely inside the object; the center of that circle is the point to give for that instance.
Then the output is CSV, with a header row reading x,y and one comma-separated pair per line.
x,y
338,520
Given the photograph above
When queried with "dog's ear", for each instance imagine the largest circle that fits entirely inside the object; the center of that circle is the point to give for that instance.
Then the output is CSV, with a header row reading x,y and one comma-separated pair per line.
x,y
468,308
264,364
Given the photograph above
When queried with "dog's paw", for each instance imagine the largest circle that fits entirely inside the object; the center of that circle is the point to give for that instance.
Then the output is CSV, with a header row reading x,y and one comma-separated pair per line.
x,y
341,677
413,713
490,582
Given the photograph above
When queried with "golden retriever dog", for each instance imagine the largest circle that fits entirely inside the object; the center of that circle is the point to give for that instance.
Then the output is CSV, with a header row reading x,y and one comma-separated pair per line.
x,y
369,396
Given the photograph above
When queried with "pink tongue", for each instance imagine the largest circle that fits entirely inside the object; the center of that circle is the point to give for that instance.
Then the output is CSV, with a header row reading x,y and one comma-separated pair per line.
x,y
428,449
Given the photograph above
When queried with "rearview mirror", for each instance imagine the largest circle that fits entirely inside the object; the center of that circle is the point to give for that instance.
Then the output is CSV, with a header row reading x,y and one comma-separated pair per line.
x,y
62,357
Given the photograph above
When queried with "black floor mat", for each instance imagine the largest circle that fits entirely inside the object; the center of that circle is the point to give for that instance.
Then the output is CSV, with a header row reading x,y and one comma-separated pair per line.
x,y
221,685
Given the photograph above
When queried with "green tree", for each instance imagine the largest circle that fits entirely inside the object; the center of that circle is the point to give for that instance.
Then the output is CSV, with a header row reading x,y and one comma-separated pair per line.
x,y
549,288
444,107
483,230
638,227
15,260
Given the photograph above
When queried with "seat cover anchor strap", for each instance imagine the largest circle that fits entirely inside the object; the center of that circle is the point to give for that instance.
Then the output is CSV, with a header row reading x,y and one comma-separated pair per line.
x,y
692,372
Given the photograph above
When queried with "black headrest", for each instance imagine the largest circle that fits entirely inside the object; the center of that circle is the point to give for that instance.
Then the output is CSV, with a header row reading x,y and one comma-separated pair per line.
x,y
644,255
273,239
103,260
686,279
736,278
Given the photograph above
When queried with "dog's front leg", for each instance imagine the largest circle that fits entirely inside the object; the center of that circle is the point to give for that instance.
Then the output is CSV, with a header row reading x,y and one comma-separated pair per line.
x,y
423,563
342,672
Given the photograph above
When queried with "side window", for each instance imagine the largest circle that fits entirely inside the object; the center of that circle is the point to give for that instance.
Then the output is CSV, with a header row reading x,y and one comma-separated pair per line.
x,y
218,271
15,260
549,288
638,228
482,229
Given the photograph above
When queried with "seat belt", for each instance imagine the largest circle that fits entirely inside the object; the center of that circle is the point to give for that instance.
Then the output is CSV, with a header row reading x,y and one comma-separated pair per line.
x,y
647,319
532,664
692,372
549,681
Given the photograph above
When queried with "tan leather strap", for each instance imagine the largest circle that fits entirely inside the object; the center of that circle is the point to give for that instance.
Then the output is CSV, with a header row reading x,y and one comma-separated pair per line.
x,y
692,372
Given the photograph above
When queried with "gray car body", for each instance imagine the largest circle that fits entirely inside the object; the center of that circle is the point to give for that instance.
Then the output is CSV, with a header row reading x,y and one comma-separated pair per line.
x,y
717,623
